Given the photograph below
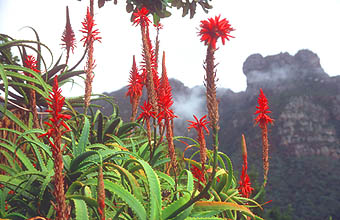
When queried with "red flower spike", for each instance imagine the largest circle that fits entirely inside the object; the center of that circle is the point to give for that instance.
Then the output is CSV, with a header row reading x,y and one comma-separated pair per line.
x,y
56,102
262,119
31,63
165,96
147,112
245,188
68,38
135,83
88,29
199,125
212,29
141,17
197,173
55,132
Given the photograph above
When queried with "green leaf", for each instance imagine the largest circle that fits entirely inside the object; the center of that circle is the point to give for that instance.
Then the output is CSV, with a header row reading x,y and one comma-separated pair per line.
x,y
88,200
111,126
100,128
230,170
76,163
221,206
81,209
83,140
125,195
170,209
5,81
154,190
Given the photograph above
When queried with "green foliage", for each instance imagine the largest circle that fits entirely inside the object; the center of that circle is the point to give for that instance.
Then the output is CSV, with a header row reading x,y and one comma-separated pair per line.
x,y
159,8
137,181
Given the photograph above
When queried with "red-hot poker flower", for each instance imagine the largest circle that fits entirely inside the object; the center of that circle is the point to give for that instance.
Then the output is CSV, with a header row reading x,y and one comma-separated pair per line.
x,y
56,102
212,29
245,188
101,193
135,89
262,119
147,112
165,100
88,29
200,126
31,63
197,173
141,17
57,128
68,38
135,82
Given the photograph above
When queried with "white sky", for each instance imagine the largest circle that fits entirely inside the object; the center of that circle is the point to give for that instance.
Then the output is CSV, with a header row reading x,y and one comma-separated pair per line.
x,y
267,27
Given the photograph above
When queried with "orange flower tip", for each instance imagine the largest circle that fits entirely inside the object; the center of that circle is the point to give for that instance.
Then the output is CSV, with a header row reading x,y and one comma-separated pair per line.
x,y
141,17
31,63
262,119
91,34
68,37
199,124
147,112
213,29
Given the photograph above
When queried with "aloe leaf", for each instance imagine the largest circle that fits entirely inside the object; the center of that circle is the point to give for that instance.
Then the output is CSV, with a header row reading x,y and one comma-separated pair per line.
x,y
11,116
154,190
100,128
80,160
170,209
20,155
230,170
5,81
132,181
124,130
73,187
204,218
125,195
221,206
91,202
83,140
111,126
168,179
81,209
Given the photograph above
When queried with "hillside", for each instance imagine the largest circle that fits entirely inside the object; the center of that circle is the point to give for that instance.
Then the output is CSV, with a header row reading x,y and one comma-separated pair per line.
x,y
304,141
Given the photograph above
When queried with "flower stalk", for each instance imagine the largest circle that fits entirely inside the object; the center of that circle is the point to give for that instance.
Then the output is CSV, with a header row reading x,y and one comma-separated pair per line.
x,y
211,30
149,70
101,193
134,89
89,38
200,126
262,120
31,63
57,128
245,188
68,37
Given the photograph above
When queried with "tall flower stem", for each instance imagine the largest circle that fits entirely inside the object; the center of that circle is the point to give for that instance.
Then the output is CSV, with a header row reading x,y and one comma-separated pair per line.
x,y
150,86
263,119
265,150
89,38
31,63
57,129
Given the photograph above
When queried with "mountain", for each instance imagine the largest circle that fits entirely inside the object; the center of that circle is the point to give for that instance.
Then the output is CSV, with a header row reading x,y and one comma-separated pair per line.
x,y
304,173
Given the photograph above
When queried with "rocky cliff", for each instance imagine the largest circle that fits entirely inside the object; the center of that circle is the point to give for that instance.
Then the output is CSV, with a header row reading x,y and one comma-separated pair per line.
x,y
304,141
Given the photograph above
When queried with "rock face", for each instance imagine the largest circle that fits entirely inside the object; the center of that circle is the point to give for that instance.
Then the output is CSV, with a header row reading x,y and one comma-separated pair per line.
x,y
305,129
282,70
